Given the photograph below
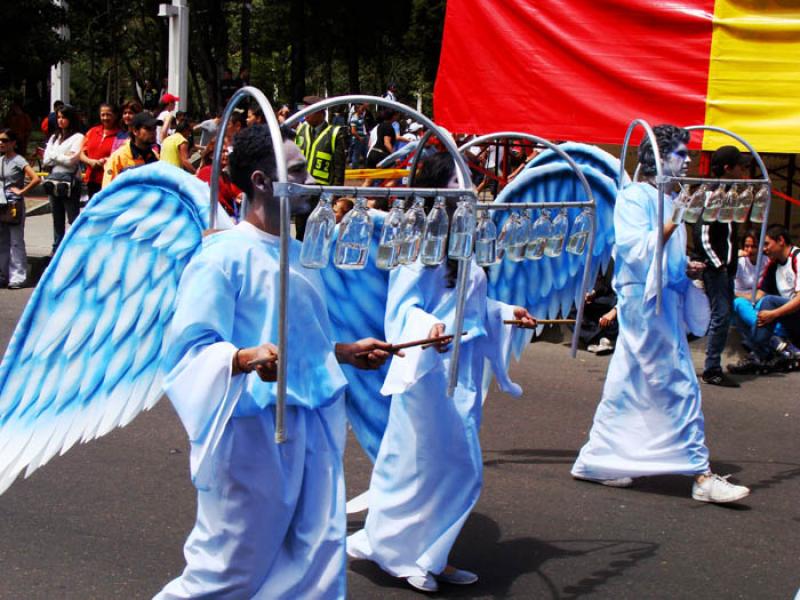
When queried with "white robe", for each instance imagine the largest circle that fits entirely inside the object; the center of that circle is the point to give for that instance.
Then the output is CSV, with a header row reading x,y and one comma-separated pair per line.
x,y
650,418
270,518
428,472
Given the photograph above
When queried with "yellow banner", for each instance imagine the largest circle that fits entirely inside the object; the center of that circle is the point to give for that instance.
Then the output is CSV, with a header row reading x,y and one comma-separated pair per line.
x,y
375,173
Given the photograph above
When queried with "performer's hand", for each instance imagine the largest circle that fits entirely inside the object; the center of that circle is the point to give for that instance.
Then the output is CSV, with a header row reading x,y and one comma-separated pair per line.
x,y
438,331
368,353
765,317
608,318
523,315
266,356
694,269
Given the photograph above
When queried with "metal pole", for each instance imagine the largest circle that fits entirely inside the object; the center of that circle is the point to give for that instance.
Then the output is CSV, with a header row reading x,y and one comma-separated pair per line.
x,y
282,177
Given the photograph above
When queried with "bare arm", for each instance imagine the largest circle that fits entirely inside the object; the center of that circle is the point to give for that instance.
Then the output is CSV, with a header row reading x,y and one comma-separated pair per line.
x,y
183,151
34,180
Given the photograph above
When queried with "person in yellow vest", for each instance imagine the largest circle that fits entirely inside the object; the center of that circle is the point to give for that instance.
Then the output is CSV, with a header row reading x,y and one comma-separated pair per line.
x,y
324,146
175,147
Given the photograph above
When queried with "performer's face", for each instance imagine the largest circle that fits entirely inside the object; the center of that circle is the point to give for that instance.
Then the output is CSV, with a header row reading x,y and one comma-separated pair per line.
x,y
676,163
297,170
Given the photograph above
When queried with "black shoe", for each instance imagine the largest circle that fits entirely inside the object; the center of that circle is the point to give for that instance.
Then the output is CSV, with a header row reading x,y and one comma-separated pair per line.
x,y
750,365
717,377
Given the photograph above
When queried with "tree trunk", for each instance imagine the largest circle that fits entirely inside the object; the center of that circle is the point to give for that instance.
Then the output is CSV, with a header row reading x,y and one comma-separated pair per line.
x,y
244,32
297,38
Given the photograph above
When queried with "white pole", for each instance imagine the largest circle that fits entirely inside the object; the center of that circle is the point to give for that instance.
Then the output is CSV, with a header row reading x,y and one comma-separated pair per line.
x,y
178,59
59,74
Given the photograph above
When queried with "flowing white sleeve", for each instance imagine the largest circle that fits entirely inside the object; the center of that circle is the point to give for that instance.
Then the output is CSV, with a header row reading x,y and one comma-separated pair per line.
x,y
502,342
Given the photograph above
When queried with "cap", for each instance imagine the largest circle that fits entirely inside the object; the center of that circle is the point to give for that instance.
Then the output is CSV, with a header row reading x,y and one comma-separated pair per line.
x,y
414,127
167,98
144,119
728,156
309,100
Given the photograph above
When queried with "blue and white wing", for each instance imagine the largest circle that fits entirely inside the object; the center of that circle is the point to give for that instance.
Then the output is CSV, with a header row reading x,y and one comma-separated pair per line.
x,y
551,286
86,354
357,305
584,154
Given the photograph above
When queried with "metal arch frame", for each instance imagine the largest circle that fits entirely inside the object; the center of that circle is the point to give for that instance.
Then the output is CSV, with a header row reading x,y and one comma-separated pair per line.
x,y
282,176
663,180
590,203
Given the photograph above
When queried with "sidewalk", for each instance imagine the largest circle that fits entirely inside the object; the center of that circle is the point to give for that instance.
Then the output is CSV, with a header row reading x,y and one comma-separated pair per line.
x,y
38,227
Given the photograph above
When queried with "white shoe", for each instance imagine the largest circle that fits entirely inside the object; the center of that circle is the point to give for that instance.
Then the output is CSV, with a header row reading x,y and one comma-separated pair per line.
x,y
718,489
604,346
423,583
619,482
458,577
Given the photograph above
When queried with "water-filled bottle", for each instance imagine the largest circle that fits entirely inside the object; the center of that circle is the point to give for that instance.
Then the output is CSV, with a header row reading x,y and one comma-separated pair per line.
x,y
729,201
355,234
555,243
760,205
541,231
433,241
516,238
316,250
411,232
743,203
679,206
697,201
713,204
462,231
580,232
389,243
485,240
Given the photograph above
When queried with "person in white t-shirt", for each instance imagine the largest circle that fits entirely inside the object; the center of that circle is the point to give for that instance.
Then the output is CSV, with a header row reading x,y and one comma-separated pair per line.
x,y
777,302
746,274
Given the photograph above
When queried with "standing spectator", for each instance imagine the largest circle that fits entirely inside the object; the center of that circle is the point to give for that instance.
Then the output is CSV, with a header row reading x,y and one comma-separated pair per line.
x,y
63,186
715,246
227,87
165,109
140,149
149,96
230,196
236,123
255,116
777,302
175,148
746,275
282,114
18,121
130,109
13,170
52,119
244,78
98,146
358,137
391,92
208,130
385,136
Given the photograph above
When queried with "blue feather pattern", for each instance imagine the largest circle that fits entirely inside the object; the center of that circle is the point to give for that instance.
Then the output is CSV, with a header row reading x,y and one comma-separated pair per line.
x,y
86,354
549,287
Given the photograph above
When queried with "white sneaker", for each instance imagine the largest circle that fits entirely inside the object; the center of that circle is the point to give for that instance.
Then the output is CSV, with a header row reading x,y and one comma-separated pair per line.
x,y
458,577
423,583
717,489
604,346
619,482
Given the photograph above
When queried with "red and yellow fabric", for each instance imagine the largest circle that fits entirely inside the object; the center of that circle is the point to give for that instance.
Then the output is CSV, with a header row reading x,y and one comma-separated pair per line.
x,y
582,69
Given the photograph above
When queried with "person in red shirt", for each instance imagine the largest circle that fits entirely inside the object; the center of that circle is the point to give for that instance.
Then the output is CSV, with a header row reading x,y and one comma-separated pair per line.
x,y
97,147
229,194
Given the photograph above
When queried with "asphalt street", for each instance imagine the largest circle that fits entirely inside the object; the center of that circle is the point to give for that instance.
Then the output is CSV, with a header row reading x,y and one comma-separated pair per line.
x,y
108,519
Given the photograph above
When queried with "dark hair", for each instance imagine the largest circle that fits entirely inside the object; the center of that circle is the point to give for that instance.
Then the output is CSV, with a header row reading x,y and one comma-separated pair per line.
x,y
668,137
238,116
112,107
776,231
133,105
750,233
257,113
71,114
253,151
182,126
57,104
435,172
10,135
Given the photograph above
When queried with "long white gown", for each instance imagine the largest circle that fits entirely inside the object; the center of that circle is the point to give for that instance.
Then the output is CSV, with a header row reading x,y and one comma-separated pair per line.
x,y
428,473
649,421
270,518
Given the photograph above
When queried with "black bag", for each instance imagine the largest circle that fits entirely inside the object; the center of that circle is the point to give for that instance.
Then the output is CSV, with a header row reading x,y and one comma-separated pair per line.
x,y
11,213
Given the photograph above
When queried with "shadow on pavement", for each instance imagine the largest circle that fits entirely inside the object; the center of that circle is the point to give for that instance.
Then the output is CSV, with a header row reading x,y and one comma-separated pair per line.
x,y
530,456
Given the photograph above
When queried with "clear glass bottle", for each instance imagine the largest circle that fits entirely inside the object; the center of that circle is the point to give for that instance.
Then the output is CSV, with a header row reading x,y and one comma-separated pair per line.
x,y
760,205
389,243
680,205
515,238
555,243
729,201
355,234
485,240
743,204
541,231
697,201
462,231
412,231
316,249
435,237
580,232
713,204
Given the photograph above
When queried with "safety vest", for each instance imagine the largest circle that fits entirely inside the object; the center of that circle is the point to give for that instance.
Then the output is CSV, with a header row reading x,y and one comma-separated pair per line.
x,y
318,153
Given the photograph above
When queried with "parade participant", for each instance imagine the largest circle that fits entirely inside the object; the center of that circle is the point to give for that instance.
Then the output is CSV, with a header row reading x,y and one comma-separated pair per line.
x,y
139,150
270,518
98,146
428,472
650,421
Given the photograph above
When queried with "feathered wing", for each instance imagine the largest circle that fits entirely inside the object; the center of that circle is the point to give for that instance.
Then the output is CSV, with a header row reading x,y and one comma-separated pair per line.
x,y
357,305
549,287
86,354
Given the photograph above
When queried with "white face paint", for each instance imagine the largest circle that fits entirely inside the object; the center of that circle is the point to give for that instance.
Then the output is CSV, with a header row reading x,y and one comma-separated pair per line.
x,y
676,163
297,170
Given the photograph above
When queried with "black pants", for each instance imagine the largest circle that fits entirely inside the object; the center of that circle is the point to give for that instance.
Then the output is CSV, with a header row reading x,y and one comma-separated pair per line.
x,y
65,207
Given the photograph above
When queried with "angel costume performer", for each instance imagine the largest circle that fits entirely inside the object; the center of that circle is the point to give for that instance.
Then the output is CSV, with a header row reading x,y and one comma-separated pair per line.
x,y
270,518
428,473
649,421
